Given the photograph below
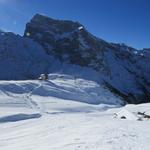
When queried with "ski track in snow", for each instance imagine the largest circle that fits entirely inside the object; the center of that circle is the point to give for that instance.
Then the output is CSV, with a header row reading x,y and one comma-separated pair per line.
x,y
31,103
30,119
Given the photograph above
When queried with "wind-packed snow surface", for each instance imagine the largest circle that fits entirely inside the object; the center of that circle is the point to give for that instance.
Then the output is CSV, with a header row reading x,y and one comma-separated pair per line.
x,y
68,113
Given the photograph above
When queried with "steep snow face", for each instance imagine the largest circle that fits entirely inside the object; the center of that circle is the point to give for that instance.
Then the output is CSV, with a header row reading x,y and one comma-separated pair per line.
x,y
123,68
129,74
21,58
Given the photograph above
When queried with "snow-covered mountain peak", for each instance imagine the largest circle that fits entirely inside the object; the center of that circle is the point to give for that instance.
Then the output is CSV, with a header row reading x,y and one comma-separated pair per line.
x,y
48,42
69,41
122,67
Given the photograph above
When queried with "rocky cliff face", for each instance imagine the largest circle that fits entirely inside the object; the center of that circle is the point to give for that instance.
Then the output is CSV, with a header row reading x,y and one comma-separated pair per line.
x,y
69,41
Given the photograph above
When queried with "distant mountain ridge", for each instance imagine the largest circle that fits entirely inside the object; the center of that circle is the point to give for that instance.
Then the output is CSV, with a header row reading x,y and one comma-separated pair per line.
x,y
123,69
21,58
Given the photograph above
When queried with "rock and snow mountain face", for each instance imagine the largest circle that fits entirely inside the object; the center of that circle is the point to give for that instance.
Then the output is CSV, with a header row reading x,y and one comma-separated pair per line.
x,y
21,58
124,69
52,45
69,41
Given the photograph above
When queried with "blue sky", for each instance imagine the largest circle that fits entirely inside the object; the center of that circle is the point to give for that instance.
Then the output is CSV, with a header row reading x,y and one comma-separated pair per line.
x,y
121,21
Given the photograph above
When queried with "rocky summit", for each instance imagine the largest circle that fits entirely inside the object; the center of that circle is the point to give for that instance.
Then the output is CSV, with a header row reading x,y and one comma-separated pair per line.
x,y
122,69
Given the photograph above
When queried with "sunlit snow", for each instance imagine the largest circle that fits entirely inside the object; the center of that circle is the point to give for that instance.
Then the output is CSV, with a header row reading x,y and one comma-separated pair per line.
x,y
59,114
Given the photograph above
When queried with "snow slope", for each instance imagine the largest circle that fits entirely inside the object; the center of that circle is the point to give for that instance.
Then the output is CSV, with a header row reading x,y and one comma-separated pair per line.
x,y
34,117
77,130
21,58
62,86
